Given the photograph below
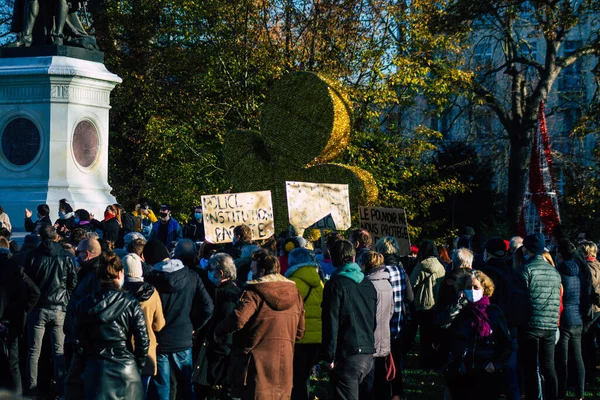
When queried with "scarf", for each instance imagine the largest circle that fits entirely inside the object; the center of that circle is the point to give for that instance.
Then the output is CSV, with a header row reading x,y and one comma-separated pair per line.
x,y
108,216
590,259
481,324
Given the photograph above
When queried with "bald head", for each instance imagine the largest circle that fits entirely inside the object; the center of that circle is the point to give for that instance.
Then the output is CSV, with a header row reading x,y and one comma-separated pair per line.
x,y
88,249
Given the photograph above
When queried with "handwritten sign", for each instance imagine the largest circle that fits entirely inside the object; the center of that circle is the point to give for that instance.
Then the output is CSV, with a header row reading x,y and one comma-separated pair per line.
x,y
223,212
381,222
319,205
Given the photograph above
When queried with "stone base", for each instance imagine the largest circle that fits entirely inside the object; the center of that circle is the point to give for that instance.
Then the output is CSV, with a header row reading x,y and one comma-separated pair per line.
x,y
45,51
54,114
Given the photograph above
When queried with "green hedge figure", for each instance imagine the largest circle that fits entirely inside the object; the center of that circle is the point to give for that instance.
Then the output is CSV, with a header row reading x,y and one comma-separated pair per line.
x,y
305,124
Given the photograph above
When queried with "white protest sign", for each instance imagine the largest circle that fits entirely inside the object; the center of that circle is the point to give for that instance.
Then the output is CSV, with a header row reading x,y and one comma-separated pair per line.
x,y
382,222
323,205
223,212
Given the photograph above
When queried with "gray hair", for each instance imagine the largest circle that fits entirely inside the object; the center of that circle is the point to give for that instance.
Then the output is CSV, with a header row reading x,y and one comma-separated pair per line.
x,y
462,258
300,256
131,236
223,262
515,243
93,235
249,249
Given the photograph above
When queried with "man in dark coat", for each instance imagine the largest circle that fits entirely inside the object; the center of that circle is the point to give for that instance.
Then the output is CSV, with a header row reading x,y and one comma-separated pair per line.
x,y
52,269
179,290
542,283
194,230
18,295
348,317
43,215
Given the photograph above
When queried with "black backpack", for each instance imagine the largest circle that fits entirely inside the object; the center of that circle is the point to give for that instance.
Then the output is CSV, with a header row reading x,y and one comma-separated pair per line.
x,y
129,223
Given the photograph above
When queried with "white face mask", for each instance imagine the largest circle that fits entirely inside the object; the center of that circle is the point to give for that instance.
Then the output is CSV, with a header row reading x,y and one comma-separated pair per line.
x,y
474,295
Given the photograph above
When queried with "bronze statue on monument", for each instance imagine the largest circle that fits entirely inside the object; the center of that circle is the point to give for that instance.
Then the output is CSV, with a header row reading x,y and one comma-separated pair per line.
x,y
50,22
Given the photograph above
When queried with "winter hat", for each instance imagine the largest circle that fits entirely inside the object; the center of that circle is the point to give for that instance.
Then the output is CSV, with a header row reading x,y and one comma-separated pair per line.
x,y
155,251
132,263
496,247
535,243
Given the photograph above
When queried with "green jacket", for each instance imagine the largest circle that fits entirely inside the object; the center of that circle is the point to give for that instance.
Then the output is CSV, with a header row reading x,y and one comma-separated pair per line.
x,y
426,279
309,284
543,287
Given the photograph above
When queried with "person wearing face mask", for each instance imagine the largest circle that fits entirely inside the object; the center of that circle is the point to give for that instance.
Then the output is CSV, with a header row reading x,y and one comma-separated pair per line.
x,y
537,340
105,321
166,229
66,218
480,344
213,359
194,229
110,225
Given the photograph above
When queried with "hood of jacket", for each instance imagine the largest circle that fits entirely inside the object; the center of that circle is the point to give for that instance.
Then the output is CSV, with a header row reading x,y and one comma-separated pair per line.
x,y
50,248
391,259
168,276
278,292
430,265
569,268
308,272
352,271
103,307
142,291
170,265
377,274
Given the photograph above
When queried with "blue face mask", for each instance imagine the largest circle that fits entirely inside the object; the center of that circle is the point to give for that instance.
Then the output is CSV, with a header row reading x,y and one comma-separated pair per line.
x,y
61,214
198,216
213,279
76,219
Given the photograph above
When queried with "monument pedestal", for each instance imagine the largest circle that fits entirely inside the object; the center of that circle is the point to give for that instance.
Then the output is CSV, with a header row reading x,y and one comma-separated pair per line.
x,y
54,134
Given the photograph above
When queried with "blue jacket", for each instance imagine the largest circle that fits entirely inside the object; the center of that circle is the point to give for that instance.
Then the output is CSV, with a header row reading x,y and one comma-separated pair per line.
x,y
572,299
173,232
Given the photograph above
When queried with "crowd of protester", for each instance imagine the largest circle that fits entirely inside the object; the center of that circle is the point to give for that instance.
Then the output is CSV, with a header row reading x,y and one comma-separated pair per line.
x,y
137,306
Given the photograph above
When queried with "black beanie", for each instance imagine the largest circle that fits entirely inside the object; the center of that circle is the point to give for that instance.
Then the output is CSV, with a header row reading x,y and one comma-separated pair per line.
x,y
535,243
155,251
496,247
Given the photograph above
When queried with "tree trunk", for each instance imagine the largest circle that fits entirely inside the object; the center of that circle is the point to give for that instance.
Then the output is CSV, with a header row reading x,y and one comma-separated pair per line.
x,y
518,167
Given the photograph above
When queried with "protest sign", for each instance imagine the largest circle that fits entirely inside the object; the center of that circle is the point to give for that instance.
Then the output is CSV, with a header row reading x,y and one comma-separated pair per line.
x,y
223,212
318,205
382,222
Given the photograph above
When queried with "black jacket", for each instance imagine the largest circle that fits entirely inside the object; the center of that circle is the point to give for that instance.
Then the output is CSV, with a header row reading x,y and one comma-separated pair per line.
x,y
87,283
348,317
18,294
213,360
31,226
110,229
52,269
194,230
105,322
179,290
468,353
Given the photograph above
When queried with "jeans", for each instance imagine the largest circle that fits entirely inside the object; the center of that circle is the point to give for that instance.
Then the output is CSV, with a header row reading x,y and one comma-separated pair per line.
x,y
181,365
347,375
375,385
145,383
569,345
398,352
588,348
13,364
428,357
538,347
37,321
305,358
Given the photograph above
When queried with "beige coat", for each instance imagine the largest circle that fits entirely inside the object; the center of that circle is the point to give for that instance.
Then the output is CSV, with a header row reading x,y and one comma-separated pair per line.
x,y
155,321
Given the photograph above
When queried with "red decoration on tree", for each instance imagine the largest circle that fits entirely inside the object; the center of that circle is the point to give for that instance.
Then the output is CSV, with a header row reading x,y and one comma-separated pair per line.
x,y
540,205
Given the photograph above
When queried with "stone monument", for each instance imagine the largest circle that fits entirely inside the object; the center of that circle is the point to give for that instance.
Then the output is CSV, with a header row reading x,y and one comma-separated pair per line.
x,y
54,118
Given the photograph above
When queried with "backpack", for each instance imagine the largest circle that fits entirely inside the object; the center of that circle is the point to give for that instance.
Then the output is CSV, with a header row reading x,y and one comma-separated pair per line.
x,y
129,222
